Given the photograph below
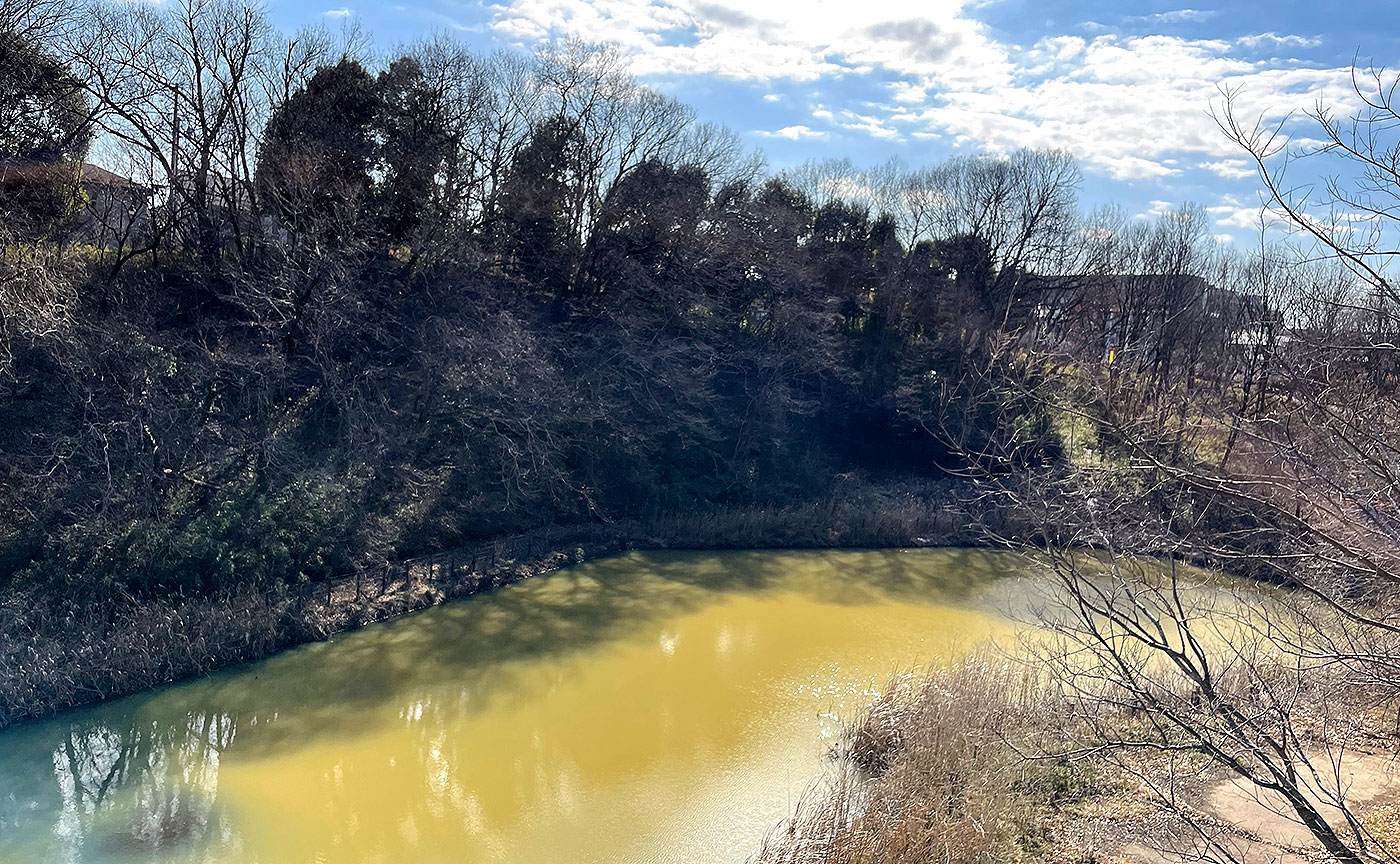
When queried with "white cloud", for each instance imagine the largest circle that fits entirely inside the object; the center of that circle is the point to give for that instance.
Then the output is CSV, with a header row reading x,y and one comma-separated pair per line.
x,y
1132,107
870,126
791,39
1273,41
1273,219
1176,16
772,97
1230,169
1064,48
1135,107
338,13
850,189
1232,213
907,92
1235,216
792,133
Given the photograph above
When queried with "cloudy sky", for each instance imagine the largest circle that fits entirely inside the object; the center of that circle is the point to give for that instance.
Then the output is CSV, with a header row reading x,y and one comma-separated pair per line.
x,y
1126,85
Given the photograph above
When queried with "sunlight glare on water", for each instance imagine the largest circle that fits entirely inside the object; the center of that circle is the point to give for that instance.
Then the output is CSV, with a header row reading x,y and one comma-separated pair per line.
x,y
647,708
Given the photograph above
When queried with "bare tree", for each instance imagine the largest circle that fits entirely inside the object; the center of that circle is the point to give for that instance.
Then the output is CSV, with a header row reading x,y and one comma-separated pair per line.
x,y
36,20
1279,464
180,87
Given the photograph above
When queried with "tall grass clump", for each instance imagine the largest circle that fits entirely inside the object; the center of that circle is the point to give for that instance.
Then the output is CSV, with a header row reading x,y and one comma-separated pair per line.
x,y
933,773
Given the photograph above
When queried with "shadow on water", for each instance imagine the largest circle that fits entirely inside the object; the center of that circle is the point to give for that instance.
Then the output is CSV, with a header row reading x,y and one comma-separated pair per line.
x,y
474,645
466,654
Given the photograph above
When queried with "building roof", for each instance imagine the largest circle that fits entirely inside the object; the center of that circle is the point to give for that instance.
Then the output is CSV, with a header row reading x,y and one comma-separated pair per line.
x,y
90,173
87,173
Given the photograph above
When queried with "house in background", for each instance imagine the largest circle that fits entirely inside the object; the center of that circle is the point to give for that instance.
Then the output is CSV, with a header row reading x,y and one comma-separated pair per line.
x,y
118,208
115,211
1141,317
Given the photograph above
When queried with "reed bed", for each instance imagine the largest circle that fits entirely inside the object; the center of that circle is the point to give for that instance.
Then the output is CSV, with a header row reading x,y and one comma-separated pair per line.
x,y
933,773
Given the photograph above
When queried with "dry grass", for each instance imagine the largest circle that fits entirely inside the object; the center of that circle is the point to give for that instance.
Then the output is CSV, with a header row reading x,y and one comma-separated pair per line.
x,y
48,663
855,514
950,768
934,775
54,657
1383,822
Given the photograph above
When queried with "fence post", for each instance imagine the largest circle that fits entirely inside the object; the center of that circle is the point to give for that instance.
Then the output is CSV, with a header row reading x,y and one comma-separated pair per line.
x,y
358,595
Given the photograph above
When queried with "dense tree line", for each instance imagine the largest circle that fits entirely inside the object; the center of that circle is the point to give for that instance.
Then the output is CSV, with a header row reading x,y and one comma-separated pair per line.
x,y
379,309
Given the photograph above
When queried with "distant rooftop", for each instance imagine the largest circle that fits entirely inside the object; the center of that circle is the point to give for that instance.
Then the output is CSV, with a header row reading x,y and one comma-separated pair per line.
x,y
87,172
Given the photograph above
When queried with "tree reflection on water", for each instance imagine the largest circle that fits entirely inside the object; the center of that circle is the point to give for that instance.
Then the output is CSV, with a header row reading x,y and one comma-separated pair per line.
x,y
374,721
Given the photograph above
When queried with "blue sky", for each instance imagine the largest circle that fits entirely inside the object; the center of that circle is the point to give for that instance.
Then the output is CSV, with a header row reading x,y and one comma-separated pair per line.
x,y
1126,86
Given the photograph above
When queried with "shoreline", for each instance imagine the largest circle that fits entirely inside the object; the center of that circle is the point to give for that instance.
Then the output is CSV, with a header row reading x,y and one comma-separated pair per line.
x,y
157,642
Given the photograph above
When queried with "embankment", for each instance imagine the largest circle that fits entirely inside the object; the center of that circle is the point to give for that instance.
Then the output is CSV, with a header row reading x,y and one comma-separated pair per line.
x,y
48,664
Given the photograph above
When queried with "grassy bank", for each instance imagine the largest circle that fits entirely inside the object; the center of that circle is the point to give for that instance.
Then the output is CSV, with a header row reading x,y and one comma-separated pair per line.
x,y
963,765
1002,760
932,774
51,661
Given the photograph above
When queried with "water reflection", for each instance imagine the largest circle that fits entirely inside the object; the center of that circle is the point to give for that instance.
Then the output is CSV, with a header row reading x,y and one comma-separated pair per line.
x,y
613,707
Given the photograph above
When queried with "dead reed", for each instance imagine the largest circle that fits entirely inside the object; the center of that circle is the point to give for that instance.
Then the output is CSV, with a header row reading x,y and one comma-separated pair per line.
x,y
933,774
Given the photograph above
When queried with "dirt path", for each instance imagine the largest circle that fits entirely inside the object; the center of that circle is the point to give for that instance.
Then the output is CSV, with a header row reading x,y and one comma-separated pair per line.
x,y
1260,828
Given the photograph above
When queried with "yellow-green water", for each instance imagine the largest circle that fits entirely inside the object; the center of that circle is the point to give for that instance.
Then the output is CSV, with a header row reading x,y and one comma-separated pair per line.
x,y
646,708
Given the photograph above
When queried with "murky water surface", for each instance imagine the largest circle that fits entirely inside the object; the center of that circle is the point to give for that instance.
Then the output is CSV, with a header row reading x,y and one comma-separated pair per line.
x,y
646,708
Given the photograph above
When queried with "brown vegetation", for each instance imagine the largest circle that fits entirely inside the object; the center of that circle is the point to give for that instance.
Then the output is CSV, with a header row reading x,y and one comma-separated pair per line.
x,y
932,776
48,664
998,759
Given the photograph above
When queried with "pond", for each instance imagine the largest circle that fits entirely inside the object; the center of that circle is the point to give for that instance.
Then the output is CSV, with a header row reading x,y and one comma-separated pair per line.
x,y
651,707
